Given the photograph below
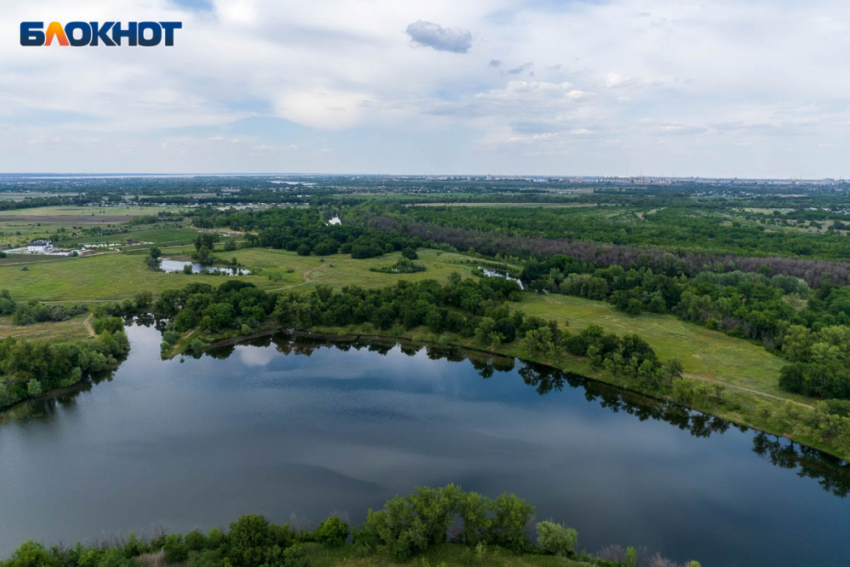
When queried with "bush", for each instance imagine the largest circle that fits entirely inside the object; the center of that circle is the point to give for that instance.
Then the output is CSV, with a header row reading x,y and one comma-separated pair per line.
x,y
195,541
557,539
250,538
512,516
409,253
175,549
332,532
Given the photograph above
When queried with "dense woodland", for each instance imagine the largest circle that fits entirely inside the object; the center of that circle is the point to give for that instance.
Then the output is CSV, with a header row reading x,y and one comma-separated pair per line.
x,y
304,231
30,368
675,228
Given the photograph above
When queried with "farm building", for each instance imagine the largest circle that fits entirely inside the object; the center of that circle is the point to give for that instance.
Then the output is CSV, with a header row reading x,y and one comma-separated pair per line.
x,y
40,247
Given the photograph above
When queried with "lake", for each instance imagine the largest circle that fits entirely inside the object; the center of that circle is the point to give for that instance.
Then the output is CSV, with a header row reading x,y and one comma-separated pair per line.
x,y
283,426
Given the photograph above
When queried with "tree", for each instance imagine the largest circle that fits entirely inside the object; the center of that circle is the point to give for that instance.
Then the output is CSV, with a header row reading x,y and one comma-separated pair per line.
x,y
332,532
303,250
230,245
33,387
155,253
512,515
143,299
31,554
250,539
557,539
673,369
409,253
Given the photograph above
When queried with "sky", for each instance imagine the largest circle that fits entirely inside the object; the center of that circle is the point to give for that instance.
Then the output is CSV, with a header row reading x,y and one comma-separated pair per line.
x,y
720,88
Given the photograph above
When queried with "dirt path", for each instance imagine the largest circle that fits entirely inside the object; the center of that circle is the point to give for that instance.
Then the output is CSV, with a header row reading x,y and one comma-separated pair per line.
x,y
744,388
87,323
306,279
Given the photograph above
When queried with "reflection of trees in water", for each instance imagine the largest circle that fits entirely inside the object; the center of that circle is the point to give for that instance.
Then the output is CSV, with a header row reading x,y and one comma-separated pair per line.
x,y
44,408
831,473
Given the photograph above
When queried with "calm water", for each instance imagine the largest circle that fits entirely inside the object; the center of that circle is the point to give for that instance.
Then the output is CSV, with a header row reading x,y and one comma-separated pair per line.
x,y
299,428
177,266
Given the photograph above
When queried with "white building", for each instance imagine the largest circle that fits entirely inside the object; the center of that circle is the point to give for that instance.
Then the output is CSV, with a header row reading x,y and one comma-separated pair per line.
x,y
40,247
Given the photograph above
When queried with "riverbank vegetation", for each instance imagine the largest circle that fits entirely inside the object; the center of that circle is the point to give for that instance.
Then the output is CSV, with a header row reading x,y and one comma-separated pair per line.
x,y
30,368
443,526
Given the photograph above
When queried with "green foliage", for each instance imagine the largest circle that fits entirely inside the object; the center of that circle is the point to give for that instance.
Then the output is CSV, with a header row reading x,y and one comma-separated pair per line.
x,y
512,516
35,312
557,539
333,532
175,549
31,554
29,368
249,541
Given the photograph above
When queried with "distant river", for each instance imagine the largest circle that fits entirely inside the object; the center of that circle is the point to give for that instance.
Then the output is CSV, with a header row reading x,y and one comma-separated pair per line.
x,y
286,427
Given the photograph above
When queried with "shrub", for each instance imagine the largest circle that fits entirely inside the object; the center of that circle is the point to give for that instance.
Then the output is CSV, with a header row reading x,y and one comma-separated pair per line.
x,y
195,541
512,516
250,539
473,509
175,549
205,558
31,554
557,539
333,532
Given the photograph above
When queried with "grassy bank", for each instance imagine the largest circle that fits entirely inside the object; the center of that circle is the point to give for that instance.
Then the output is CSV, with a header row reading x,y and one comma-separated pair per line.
x,y
65,331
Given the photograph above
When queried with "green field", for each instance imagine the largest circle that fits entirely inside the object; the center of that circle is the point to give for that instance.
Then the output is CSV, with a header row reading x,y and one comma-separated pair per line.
x,y
340,269
705,353
111,277
157,234
59,211
71,330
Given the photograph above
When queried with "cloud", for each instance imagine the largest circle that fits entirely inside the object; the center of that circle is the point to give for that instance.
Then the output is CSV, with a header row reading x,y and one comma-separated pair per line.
x,y
520,69
275,73
433,35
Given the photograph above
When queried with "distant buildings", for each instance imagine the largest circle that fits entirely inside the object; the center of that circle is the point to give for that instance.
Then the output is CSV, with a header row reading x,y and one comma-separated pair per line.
x,y
40,247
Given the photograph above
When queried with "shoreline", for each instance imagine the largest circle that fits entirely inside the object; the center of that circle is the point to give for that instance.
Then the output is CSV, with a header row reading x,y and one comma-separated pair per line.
x,y
564,363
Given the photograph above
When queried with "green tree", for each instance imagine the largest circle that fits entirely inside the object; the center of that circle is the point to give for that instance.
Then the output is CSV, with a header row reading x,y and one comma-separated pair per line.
x,y
332,532
33,387
673,369
556,539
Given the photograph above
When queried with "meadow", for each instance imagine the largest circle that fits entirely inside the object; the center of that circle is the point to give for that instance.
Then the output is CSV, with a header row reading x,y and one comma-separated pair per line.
x,y
64,331
66,211
702,352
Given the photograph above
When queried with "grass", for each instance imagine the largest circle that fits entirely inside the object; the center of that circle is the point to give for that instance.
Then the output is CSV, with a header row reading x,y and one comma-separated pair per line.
x,y
340,270
703,352
156,234
60,211
449,554
64,331
112,277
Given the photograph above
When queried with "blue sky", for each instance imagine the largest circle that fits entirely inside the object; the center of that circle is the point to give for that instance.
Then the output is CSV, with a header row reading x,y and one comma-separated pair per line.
x,y
747,88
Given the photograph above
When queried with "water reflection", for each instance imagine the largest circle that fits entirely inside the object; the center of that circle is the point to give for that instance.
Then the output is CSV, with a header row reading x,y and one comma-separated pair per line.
x,y
831,473
348,424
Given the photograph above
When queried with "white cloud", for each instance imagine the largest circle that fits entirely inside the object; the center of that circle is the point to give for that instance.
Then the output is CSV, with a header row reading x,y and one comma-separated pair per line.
x,y
718,76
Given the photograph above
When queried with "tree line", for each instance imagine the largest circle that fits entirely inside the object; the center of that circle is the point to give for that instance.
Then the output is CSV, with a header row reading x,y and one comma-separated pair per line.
x,y
30,368
407,527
